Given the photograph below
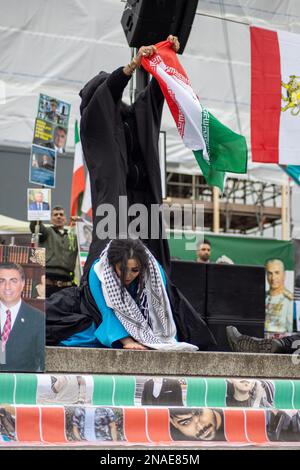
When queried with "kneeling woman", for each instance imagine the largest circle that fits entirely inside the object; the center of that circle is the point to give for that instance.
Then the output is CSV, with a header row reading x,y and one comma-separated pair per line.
x,y
129,288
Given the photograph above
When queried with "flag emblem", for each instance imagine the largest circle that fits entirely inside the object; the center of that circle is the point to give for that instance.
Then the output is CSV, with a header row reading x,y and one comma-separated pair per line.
x,y
293,95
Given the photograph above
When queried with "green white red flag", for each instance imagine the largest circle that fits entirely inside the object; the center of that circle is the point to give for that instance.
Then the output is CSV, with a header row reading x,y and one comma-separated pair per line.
x,y
81,189
217,149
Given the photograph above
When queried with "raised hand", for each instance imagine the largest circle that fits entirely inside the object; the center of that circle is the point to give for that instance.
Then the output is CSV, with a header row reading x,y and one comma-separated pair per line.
x,y
173,40
144,51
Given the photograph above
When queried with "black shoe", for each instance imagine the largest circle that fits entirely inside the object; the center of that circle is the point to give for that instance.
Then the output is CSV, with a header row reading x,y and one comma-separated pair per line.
x,y
244,343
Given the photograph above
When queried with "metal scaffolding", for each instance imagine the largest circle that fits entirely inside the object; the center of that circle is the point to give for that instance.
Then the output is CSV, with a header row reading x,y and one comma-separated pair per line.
x,y
245,207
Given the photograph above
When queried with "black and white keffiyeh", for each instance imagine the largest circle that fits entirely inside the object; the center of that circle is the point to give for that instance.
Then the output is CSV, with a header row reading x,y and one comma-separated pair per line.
x,y
151,322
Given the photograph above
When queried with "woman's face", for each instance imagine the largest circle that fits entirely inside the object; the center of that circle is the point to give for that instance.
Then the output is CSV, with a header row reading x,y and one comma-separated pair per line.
x,y
132,271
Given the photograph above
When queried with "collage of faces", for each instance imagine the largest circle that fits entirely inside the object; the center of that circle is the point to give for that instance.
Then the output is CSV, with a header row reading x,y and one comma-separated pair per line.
x,y
86,408
92,424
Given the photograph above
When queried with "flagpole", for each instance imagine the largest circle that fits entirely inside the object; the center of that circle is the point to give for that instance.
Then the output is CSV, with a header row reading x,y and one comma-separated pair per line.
x,y
285,216
216,213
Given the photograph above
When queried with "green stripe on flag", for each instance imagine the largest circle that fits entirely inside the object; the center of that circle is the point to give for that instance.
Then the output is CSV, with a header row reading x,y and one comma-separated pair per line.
x,y
76,133
103,390
26,389
212,177
227,150
216,392
196,391
124,391
296,401
7,386
283,394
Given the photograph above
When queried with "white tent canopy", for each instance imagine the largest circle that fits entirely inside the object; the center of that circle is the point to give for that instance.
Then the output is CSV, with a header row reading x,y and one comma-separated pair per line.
x,y
54,47
10,225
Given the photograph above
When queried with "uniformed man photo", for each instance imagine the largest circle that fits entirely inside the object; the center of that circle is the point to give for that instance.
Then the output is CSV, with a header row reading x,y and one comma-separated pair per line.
x,y
279,301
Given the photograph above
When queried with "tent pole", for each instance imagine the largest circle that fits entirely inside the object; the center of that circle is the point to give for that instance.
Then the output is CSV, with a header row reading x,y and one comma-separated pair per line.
x,y
216,214
285,219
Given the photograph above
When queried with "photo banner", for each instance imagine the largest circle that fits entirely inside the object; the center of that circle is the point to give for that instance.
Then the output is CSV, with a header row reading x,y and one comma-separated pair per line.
x,y
49,140
297,281
277,256
42,169
115,426
137,391
84,230
23,302
38,204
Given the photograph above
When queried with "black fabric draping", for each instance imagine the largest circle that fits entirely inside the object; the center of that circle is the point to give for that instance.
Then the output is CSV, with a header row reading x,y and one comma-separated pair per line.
x,y
120,145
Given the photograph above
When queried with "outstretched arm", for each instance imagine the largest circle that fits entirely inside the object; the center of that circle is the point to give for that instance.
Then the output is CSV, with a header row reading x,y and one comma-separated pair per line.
x,y
153,89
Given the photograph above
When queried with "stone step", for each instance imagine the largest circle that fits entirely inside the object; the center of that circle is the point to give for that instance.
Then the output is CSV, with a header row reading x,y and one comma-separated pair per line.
x,y
206,364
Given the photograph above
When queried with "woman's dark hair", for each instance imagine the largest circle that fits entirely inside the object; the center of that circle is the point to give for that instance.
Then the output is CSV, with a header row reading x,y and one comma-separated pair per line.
x,y
120,251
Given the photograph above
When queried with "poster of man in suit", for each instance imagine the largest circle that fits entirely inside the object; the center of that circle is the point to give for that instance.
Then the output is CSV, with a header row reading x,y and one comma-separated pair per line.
x,y
22,319
38,204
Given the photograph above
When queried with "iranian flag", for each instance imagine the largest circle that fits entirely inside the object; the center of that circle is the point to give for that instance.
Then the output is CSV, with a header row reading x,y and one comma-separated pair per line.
x,y
217,149
78,180
275,96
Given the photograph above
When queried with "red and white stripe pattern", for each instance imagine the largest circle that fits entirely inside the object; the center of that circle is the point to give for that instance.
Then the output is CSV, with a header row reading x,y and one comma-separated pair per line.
x,y
180,96
275,59
78,179
86,207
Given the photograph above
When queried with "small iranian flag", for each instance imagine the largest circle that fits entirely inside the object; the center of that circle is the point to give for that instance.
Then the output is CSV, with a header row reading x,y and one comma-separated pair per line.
x,y
275,96
78,180
217,149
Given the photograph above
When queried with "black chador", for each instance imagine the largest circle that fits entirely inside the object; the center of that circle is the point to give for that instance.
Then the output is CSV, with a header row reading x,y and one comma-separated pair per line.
x,y
120,145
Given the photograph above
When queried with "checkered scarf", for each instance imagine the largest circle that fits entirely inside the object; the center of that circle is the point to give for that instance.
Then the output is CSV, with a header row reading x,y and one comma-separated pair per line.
x,y
151,322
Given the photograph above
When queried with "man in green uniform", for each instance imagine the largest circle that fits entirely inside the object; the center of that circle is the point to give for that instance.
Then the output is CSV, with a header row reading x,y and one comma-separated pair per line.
x,y
61,251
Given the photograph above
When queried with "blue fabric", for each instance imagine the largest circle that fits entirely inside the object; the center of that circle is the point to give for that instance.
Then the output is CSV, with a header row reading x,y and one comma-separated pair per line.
x,y
111,329
85,338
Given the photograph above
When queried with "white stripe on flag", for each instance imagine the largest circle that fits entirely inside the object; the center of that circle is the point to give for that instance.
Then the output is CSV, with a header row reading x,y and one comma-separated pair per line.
x,y
289,131
87,200
190,108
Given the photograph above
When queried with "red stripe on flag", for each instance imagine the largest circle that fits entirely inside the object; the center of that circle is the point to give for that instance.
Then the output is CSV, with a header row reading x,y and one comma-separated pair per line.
x,y
265,95
53,424
28,424
235,426
158,425
256,426
78,185
169,57
135,425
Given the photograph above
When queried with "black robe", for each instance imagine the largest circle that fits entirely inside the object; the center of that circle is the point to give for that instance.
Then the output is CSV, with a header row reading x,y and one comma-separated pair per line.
x,y
106,153
105,150
74,309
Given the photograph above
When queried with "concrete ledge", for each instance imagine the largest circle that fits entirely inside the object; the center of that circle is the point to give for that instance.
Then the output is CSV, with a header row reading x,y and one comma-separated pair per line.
x,y
210,364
